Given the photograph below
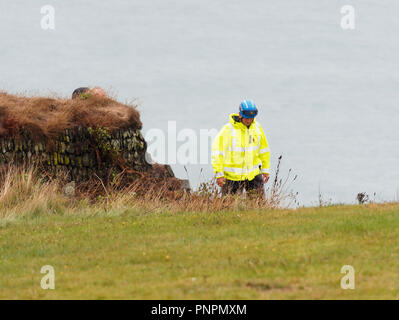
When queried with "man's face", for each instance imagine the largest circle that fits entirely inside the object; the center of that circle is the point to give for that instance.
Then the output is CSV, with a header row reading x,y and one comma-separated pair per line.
x,y
247,121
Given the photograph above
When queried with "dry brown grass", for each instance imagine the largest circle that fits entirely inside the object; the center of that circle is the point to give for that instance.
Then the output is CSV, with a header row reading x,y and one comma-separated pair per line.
x,y
48,117
23,191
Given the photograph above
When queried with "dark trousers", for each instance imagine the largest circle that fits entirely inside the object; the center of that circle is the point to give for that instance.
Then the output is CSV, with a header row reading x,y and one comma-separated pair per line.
x,y
233,187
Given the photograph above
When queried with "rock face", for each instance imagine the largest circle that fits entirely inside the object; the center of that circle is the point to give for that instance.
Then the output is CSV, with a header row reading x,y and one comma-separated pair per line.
x,y
85,138
83,152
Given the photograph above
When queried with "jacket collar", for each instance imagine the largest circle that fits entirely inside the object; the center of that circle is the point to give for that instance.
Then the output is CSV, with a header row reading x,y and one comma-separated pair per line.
x,y
237,124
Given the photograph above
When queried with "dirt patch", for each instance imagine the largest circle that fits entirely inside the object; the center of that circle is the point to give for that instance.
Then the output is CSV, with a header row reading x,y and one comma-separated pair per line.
x,y
267,286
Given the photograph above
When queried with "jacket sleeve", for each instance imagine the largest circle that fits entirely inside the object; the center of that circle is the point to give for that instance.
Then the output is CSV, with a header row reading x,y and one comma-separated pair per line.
x,y
219,151
264,152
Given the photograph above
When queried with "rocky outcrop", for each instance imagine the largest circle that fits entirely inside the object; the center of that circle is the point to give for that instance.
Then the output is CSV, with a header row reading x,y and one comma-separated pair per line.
x,y
80,151
84,138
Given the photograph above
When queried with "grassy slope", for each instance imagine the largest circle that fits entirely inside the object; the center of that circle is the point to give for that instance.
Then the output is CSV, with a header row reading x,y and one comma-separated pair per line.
x,y
229,255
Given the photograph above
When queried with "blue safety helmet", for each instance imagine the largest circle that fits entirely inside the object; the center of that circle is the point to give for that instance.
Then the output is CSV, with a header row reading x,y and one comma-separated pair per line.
x,y
248,109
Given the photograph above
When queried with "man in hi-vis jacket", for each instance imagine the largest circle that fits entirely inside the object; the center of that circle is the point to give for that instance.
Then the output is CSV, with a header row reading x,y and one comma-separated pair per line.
x,y
240,153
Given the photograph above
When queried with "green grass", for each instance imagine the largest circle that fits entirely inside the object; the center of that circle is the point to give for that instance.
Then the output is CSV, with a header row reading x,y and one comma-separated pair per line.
x,y
272,254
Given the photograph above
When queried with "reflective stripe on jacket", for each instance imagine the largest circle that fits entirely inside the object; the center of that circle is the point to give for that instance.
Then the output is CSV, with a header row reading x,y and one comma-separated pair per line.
x,y
240,153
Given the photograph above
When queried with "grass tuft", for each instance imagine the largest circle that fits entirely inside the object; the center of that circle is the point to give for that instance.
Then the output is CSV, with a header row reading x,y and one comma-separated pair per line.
x,y
25,192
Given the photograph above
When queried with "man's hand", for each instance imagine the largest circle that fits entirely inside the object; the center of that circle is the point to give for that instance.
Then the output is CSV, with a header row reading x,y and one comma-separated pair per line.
x,y
266,177
221,181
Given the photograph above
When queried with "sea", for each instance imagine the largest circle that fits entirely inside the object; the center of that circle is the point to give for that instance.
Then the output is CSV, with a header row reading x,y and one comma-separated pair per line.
x,y
323,73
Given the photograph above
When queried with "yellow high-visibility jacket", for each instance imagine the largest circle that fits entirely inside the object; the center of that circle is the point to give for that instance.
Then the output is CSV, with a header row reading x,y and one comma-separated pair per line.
x,y
240,153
